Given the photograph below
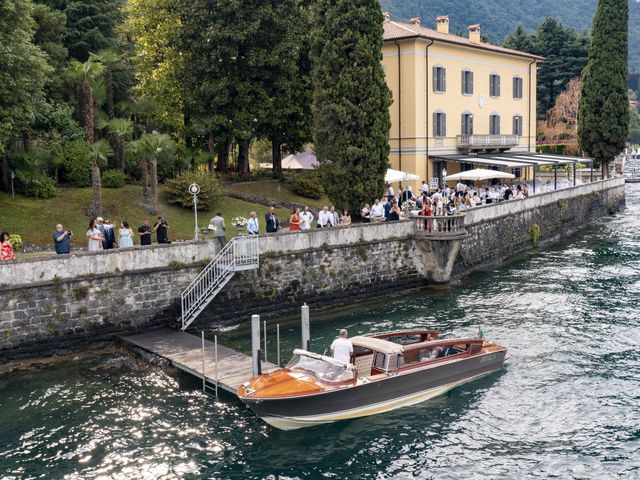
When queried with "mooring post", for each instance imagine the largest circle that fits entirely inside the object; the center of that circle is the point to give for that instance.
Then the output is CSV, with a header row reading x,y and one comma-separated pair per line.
x,y
264,331
204,377
278,341
306,342
215,357
255,344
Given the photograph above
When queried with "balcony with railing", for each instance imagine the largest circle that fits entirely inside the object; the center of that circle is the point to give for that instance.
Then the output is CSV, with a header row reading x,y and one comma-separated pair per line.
x,y
481,142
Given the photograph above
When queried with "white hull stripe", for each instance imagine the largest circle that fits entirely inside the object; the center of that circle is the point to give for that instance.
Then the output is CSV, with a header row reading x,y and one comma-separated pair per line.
x,y
291,423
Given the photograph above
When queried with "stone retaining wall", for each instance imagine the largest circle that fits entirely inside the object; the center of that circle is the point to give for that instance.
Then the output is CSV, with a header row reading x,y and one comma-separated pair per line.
x,y
52,303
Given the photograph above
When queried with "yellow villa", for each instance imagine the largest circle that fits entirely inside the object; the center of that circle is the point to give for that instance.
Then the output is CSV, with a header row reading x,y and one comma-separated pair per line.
x,y
456,97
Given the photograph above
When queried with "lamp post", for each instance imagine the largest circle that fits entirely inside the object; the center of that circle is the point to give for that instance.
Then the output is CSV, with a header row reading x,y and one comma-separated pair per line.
x,y
13,193
194,189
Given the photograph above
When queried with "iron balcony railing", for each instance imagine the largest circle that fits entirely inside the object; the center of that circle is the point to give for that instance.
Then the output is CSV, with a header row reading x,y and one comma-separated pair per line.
x,y
487,141
241,253
440,226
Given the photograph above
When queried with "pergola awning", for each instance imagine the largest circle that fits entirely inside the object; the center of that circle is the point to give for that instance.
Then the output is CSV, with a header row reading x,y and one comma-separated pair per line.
x,y
514,159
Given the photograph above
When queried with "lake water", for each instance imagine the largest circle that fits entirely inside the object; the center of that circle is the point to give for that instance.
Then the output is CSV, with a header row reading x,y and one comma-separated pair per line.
x,y
566,405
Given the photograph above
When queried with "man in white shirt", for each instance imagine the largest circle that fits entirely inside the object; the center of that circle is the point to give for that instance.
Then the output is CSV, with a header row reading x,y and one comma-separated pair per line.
x,y
342,348
252,224
323,217
377,211
424,188
460,187
306,218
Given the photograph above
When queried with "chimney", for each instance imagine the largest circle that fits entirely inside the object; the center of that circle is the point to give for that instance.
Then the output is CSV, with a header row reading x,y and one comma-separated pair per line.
x,y
474,33
442,24
415,21
387,16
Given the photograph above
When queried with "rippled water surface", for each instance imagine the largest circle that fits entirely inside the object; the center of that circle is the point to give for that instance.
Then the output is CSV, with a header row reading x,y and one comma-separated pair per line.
x,y
566,405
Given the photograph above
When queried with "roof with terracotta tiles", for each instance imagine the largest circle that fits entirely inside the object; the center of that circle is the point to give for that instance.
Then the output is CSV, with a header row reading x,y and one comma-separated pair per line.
x,y
398,31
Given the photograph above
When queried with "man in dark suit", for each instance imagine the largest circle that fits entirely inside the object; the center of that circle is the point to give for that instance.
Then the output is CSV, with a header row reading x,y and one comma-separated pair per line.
x,y
271,221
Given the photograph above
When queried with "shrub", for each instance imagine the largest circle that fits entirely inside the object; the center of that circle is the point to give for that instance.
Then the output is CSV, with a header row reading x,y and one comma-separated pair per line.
x,y
113,179
76,164
16,241
307,186
178,190
42,187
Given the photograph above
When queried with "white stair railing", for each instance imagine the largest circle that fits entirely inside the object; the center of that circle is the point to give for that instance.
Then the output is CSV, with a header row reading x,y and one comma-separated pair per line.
x,y
241,253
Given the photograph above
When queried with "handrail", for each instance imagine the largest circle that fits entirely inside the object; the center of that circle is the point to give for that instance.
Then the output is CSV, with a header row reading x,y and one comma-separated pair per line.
x,y
238,254
479,140
440,225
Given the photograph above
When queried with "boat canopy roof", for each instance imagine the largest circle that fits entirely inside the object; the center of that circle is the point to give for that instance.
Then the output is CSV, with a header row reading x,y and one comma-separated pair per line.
x,y
377,344
317,356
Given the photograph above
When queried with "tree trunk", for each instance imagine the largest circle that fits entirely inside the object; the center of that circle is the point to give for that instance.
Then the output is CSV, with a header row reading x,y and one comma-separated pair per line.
x,y
243,156
153,203
96,187
212,153
96,117
144,169
26,138
4,166
108,78
148,124
276,156
186,119
121,152
89,119
223,156
81,116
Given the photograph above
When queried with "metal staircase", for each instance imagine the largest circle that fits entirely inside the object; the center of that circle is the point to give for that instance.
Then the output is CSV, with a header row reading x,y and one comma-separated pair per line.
x,y
241,253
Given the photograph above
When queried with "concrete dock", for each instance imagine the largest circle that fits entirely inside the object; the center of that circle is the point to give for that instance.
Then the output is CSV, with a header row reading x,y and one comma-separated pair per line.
x,y
184,351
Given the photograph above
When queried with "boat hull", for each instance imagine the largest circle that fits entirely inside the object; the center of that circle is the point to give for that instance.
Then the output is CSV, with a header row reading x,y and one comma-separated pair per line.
x,y
395,391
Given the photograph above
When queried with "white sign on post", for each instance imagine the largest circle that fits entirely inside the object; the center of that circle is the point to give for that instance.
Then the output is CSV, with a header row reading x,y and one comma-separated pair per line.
x,y
434,183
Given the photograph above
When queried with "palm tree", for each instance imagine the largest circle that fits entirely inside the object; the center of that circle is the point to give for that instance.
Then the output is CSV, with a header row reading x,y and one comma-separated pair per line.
x,y
109,58
98,154
121,128
146,109
152,145
87,75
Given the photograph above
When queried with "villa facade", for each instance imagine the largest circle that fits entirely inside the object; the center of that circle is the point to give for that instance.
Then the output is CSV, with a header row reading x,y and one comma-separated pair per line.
x,y
455,95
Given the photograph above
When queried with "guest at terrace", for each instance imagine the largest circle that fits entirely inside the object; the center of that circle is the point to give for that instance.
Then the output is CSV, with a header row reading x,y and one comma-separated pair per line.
x,y
161,227
219,231
334,219
394,213
252,225
306,218
365,213
6,249
377,211
345,219
145,233
126,235
62,240
271,221
294,221
95,236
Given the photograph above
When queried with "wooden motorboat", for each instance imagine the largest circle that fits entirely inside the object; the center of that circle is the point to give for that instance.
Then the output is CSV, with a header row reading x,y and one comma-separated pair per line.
x,y
387,371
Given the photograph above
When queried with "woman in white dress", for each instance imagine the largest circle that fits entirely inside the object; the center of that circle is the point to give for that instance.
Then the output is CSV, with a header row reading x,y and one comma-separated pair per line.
x,y
126,235
95,236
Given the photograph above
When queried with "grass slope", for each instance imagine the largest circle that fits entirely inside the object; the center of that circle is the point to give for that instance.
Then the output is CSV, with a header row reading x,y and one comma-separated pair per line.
x,y
35,219
276,189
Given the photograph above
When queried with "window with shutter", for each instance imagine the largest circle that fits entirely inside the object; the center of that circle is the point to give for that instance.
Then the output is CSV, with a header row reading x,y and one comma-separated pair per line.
x,y
439,79
467,82
494,125
517,87
517,125
439,124
494,85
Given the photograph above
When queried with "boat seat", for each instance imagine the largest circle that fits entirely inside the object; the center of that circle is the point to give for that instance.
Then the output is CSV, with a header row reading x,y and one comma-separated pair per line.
x,y
363,365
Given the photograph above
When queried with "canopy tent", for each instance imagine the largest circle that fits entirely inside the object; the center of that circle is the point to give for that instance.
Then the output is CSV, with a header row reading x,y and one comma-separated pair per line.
x,y
479,174
393,176
300,161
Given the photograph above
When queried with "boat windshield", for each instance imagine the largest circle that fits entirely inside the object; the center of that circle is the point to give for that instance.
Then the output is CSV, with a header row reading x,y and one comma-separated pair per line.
x,y
321,369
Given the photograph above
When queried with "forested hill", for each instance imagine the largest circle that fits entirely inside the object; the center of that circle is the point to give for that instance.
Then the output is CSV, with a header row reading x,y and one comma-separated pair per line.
x,y
499,17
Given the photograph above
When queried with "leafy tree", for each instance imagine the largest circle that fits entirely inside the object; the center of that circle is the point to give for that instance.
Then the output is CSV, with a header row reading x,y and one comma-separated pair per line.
x,y
520,40
23,69
603,120
110,59
350,100
152,145
49,36
91,26
121,128
98,153
634,126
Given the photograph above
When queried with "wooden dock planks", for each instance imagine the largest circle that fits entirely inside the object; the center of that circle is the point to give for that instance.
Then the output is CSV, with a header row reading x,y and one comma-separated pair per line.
x,y
184,351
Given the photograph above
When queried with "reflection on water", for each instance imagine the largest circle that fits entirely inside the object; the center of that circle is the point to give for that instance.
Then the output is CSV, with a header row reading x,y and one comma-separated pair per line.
x,y
566,405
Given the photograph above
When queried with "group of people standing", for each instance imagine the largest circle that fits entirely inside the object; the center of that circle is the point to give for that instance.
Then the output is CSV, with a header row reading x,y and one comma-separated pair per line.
x,y
327,217
101,235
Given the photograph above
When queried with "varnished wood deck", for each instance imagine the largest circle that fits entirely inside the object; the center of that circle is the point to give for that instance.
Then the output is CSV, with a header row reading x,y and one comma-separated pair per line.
x,y
184,351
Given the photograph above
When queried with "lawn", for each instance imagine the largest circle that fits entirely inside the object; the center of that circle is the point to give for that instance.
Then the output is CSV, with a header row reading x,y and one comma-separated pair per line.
x,y
35,219
276,189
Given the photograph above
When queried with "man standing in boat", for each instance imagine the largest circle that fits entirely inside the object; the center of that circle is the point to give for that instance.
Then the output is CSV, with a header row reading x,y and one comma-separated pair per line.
x,y
342,348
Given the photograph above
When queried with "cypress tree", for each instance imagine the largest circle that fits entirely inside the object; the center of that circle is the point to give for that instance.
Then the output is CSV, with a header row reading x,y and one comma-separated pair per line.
x,y
603,118
350,100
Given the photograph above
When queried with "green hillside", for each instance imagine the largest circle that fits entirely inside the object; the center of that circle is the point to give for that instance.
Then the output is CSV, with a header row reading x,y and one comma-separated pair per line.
x,y
499,17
